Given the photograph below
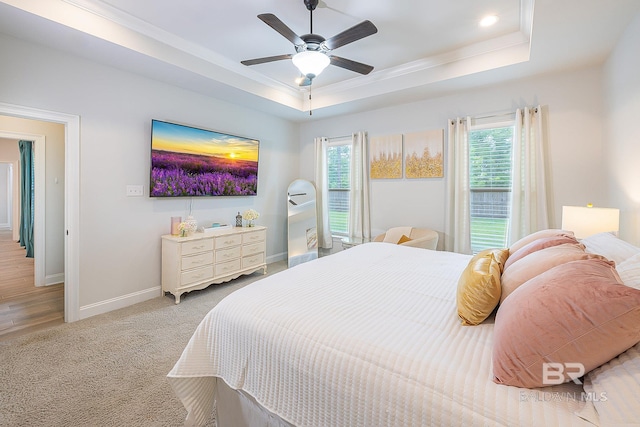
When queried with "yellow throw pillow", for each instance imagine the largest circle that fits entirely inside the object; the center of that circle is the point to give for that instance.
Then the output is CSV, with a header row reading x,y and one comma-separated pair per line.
x,y
403,239
479,287
500,255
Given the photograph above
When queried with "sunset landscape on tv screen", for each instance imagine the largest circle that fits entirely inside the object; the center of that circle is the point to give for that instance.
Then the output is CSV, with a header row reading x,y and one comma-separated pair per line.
x,y
188,161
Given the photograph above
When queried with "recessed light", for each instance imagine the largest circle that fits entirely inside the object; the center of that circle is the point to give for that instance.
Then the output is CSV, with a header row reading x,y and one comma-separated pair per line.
x,y
488,20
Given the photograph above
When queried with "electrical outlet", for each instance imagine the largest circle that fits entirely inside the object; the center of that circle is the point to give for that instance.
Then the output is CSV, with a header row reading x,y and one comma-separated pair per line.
x,y
135,190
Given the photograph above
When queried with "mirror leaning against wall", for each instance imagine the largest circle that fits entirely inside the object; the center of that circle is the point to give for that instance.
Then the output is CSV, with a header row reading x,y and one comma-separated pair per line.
x,y
302,222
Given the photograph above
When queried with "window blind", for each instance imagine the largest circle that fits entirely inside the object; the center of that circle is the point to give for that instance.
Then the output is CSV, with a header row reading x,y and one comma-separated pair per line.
x,y
338,187
490,185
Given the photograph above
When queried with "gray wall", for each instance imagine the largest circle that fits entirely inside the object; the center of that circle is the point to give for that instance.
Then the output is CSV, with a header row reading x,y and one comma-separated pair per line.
x,y
574,105
120,236
622,136
592,149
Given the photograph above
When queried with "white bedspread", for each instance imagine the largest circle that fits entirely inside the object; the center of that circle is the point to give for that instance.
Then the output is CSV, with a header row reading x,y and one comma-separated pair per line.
x,y
365,337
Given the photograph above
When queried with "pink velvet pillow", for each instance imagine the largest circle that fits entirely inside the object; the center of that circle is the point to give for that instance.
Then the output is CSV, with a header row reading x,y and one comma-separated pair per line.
x,y
575,313
538,235
536,245
538,262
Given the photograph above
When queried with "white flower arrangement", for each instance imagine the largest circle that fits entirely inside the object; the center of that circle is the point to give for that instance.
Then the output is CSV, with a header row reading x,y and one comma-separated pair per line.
x,y
187,227
250,215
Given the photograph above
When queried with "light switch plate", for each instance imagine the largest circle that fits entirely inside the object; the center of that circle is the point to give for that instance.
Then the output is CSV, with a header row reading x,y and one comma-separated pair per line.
x,y
135,190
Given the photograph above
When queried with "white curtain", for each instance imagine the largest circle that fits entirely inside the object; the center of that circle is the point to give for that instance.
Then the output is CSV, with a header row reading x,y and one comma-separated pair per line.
x,y
457,218
322,196
359,208
529,194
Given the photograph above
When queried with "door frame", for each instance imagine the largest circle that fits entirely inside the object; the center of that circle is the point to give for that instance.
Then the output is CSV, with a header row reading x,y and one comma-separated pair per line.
x,y
71,198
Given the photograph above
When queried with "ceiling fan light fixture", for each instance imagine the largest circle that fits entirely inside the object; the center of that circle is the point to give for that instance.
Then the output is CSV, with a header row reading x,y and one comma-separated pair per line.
x,y
310,62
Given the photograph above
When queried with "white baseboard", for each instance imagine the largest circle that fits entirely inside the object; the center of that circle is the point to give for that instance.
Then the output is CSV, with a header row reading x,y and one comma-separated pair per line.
x,y
140,296
5,226
53,279
276,257
119,302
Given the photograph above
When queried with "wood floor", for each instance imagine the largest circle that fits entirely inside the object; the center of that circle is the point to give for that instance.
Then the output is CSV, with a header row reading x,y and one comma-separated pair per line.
x,y
23,306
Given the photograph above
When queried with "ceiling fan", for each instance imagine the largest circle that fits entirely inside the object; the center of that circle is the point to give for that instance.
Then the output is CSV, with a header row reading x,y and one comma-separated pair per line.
x,y
312,50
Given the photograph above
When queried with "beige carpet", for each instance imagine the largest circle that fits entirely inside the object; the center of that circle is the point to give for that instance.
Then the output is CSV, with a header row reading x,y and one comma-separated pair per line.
x,y
108,370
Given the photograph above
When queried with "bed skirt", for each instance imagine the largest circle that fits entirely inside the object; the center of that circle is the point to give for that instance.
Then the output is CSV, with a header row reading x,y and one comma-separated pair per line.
x,y
238,409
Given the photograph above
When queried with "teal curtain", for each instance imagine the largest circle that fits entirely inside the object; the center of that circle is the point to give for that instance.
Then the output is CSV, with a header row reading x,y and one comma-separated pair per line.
x,y
26,196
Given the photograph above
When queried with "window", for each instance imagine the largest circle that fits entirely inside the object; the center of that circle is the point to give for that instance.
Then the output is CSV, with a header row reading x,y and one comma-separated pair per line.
x,y
339,183
490,179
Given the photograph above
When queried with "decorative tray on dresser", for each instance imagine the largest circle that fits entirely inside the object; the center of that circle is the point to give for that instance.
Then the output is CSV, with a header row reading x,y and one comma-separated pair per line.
x,y
202,259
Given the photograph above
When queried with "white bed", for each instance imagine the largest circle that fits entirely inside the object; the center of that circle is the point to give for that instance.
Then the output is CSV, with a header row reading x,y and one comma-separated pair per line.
x,y
366,337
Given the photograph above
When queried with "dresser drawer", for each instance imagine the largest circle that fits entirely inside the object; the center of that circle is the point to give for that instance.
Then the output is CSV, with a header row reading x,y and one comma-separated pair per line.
x,y
196,246
253,260
197,275
201,260
223,255
197,260
254,236
228,267
228,241
253,248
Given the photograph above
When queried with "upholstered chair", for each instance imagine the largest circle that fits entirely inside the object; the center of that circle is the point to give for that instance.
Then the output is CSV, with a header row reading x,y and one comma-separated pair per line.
x,y
424,238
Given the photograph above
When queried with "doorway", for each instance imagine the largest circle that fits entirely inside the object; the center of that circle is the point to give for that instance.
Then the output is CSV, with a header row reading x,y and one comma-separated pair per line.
x,y
29,297
9,151
71,230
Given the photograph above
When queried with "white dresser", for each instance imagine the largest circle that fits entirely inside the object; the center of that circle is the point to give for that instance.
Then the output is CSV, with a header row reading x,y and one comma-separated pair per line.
x,y
197,261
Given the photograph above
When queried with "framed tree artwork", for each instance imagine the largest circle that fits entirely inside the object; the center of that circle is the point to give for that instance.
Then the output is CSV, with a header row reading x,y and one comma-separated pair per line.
x,y
385,157
423,154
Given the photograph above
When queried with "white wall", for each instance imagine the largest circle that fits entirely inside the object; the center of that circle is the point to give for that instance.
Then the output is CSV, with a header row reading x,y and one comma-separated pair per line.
x,y
622,136
120,236
573,101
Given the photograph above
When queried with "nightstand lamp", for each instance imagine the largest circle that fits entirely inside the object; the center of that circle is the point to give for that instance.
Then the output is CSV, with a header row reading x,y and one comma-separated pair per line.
x,y
585,221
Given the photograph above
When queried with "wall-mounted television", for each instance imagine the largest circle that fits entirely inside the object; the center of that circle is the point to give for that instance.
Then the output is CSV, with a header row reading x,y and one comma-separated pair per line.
x,y
187,162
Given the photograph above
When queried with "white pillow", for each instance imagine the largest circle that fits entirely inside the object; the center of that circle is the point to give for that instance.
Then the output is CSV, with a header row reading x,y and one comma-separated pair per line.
x,y
394,234
629,271
609,246
614,389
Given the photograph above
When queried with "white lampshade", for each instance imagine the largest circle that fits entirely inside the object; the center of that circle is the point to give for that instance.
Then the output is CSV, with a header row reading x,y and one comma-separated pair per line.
x,y
310,62
585,221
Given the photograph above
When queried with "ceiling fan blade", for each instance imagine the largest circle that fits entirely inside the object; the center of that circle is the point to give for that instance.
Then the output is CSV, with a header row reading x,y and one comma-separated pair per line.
x,y
357,32
274,22
266,59
348,64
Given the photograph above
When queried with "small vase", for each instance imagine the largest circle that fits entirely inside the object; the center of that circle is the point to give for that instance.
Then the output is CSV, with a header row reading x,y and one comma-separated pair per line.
x,y
250,223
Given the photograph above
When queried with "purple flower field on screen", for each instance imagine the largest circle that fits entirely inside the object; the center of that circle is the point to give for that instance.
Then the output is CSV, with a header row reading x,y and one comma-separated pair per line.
x,y
177,174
